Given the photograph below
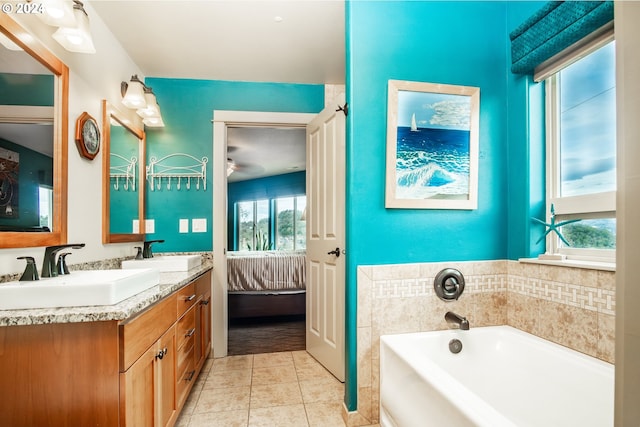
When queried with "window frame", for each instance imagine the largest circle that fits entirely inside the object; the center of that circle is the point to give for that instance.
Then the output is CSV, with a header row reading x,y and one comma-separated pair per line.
x,y
272,219
590,206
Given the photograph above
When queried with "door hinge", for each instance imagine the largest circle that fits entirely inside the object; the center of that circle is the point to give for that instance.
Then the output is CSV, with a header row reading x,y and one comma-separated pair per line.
x,y
344,109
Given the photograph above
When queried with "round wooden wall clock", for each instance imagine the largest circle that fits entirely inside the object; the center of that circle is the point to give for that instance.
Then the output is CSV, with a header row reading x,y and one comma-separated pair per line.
x,y
87,136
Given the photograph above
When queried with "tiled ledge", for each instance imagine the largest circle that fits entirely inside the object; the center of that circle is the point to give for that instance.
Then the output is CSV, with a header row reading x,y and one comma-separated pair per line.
x,y
591,265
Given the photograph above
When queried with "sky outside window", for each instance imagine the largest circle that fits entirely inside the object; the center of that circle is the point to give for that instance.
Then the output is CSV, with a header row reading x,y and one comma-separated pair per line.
x,y
588,124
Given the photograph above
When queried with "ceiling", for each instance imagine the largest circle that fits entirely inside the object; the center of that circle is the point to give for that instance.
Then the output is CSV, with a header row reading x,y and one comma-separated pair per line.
x,y
260,152
294,41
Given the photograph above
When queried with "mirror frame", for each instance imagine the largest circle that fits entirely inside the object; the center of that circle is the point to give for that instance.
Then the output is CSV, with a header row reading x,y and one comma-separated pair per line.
x,y
109,112
10,239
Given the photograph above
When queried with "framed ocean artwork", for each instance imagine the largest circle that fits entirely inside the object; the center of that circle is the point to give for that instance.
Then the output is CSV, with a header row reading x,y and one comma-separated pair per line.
x,y
432,146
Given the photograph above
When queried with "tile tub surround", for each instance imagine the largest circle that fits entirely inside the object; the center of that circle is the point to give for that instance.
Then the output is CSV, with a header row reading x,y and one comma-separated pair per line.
x,y
570,306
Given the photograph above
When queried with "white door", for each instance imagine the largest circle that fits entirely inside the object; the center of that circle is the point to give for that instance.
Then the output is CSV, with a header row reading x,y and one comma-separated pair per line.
x,y
325,238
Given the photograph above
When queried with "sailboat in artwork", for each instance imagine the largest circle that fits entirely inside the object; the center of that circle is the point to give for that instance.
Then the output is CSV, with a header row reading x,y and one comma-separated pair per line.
x,y
414,126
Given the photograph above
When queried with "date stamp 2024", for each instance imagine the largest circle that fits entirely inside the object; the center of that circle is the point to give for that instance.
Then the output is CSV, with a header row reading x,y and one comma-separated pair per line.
x,y
22,8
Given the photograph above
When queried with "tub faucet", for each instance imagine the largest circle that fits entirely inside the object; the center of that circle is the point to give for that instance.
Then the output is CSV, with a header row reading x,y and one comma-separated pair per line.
x,y
455,319
49,263
146,250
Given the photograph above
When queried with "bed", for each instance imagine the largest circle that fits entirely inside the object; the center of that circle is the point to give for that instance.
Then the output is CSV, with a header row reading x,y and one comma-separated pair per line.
x,y
266,283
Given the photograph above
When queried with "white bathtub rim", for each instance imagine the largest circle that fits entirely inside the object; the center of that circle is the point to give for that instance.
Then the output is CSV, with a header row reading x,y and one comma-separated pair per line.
x,y
475,408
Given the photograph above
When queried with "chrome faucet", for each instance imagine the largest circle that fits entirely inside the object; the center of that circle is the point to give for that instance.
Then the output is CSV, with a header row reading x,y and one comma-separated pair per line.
x,y
146,250
455,319
49,263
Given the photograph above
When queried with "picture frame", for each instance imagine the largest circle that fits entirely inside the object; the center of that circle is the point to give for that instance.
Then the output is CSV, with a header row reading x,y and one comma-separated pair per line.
x,y
432,146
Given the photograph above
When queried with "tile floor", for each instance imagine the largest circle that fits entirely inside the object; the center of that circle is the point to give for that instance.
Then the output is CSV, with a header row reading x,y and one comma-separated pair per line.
x,y
284,389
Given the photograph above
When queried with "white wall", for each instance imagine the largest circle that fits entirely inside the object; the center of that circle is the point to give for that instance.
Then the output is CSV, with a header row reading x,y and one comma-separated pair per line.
x,y
627,16
91,79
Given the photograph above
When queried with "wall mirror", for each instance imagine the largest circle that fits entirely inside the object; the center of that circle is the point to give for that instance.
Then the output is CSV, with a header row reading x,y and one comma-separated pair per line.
x,y
123,174
34,86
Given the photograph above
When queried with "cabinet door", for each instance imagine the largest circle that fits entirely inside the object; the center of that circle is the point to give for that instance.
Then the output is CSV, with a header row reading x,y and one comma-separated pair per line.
x,y
205,326
148,386
138,392
166,379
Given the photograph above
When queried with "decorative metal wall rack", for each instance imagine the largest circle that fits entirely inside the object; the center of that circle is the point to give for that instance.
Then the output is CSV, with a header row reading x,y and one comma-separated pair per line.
x,y
176,168
123,169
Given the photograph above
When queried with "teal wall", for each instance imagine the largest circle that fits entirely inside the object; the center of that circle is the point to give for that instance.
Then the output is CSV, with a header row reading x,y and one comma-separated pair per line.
x,y
273,187
26,89
187,109
460,43
526,151
34,169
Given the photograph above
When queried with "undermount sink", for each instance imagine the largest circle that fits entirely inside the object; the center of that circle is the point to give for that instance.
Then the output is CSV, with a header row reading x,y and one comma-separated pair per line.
x,y
165,263
80,288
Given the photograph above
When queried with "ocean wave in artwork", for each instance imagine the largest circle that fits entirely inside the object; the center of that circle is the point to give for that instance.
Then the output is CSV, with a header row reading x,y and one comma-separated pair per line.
x,y
434,164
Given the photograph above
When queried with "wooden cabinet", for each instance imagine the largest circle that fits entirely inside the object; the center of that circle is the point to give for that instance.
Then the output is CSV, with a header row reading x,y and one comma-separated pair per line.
x,y
133,373
186,327
203,319
148,386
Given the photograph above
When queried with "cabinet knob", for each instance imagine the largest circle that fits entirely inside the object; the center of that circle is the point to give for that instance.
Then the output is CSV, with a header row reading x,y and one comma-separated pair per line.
x,y
161,353
190,332
190,375
205,302
190,298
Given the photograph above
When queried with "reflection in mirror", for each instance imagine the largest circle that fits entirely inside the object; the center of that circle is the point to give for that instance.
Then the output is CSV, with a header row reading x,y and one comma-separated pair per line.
x,y
33,136
123,176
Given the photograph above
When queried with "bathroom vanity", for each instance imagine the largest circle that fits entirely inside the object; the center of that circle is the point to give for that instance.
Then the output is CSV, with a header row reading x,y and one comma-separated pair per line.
x,y
131,364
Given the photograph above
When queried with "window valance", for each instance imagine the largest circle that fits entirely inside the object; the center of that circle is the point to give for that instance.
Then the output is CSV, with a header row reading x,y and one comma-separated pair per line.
x,y
553,28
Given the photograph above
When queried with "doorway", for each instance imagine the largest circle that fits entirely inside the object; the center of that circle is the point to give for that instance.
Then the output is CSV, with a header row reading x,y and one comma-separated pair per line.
x,y
222,122
266,238
325,278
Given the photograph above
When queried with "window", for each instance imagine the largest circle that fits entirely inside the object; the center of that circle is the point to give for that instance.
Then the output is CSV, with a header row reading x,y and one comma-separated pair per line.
x,y
290,228
271,224
253,225
45,206
581,154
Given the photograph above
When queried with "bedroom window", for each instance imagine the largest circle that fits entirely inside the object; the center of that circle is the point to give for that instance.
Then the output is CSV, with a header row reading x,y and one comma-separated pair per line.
x,y
253,225
290,228
581,154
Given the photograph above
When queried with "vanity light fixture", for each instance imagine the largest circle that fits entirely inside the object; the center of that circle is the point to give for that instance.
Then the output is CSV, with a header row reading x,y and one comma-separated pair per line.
x,y
57,13
153,122
136,95
133,93
77,37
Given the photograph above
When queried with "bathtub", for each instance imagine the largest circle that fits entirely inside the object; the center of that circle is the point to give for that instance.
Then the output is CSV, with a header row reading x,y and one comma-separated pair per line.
x,y
503,377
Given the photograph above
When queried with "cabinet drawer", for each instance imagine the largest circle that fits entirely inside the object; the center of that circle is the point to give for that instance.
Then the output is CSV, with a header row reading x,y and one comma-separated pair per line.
x,y
185,377
186,328
203,283
136,335
184,360
186,299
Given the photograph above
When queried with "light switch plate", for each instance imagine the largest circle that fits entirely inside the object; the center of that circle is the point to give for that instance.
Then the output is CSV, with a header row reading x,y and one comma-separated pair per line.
x,y
150,226
184,226
199,225
135,227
